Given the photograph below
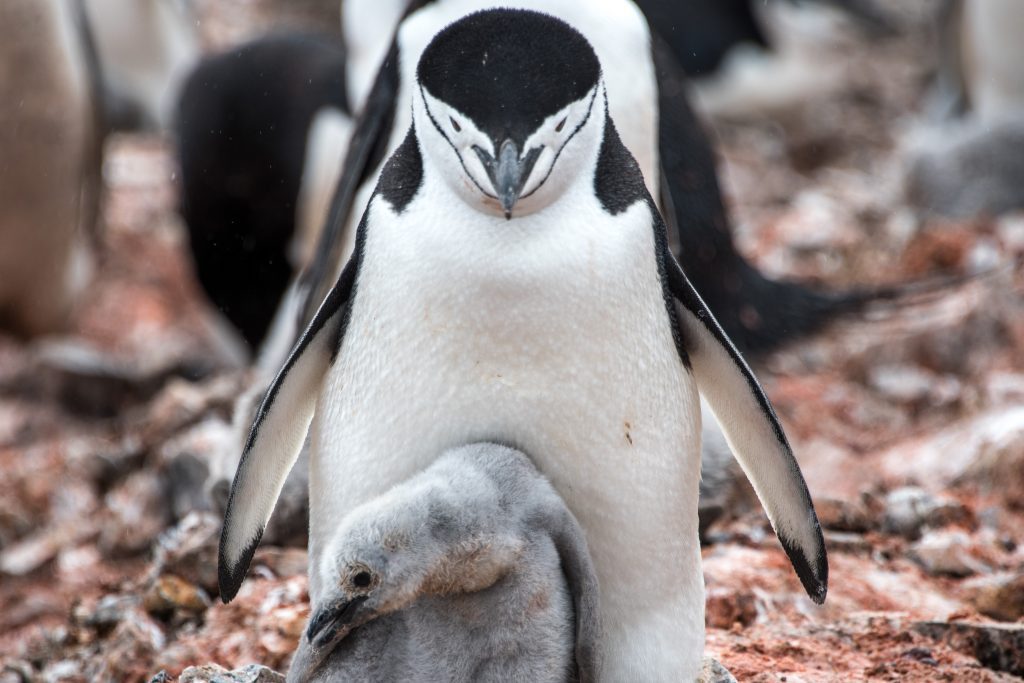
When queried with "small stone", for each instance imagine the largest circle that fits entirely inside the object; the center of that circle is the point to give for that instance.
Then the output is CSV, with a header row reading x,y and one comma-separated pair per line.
x,y
1000,597
909,509
138,513
840,515
189,550
944,553
726,607
712,671
996,646
106,614
17,671
901,383
170,593
282,562
855,544
64,671
162,677
212,673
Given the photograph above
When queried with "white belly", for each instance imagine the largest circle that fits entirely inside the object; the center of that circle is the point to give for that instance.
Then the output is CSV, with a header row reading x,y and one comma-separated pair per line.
x,y
556,341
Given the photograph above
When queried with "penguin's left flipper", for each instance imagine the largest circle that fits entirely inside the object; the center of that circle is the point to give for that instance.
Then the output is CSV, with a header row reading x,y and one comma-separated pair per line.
x,y
278,433
753,432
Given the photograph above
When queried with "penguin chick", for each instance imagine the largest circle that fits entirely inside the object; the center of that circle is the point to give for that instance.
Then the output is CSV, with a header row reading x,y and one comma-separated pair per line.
x,y
472,570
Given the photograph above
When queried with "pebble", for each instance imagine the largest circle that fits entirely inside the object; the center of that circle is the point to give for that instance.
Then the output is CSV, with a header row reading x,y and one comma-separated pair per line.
x,y
1000,596
189,550
841,515
712,671
909,509
996,646
212,673
725,607
137,513
946,553
172,594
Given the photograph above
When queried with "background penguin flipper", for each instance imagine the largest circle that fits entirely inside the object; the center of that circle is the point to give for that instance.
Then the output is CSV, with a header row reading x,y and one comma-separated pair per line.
x,y
367,148
774,311
753,432
277,434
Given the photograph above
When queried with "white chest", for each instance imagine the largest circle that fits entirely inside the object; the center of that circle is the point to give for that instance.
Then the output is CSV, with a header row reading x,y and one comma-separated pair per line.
x,y
550,334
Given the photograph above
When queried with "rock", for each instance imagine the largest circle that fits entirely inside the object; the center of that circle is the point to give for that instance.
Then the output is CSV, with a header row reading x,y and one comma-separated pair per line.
x,y
65,671
137,512
212,673
170,594
186,459
182,404
162,677
997,646
943,553
998,470
909,509
999,597
970,451
282,562
725,607
841,515
106,614
136,639
847,542
712,671
189,550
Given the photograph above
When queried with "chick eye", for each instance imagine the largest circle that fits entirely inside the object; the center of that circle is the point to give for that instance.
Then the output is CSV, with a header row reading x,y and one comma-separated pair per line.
x,y
561,125
455,124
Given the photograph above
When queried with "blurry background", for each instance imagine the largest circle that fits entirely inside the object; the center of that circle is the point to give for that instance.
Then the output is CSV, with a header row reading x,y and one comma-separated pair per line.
x,y
856,149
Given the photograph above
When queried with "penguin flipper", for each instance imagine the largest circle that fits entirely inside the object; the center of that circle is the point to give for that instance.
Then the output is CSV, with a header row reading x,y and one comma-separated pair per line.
x,y
753,432
277,434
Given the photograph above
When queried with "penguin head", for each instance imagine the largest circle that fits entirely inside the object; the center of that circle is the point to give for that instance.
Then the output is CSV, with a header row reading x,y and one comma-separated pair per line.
x,y
507,109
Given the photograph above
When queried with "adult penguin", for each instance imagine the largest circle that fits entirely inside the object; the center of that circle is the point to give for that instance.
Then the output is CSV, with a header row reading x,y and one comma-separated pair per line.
x,y
512,282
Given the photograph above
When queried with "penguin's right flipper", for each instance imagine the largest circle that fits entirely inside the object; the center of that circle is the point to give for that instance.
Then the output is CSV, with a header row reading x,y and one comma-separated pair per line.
x,y
278,433
752,430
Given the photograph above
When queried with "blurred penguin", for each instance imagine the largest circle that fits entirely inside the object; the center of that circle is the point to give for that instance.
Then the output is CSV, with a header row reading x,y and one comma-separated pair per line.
x,y
145,48
49,163
261,133
970,159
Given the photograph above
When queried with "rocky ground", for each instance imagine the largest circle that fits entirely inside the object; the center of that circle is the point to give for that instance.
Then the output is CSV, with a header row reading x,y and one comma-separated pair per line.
x,y
909,425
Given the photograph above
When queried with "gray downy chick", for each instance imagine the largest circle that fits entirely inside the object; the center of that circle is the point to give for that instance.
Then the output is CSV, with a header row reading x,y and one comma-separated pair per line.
x,y
472,570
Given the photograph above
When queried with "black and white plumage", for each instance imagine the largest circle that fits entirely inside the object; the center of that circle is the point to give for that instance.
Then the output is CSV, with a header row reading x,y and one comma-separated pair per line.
x,y
568,330
471,570
244,118
649,97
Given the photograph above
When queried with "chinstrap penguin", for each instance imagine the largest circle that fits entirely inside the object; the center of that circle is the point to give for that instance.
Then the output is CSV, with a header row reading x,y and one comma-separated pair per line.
x,y
50,158
512,282
471,570
144,49
242,125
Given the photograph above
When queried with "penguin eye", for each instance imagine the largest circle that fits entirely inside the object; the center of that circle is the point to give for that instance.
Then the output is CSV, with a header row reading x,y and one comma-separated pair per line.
x,y
561,125
455,124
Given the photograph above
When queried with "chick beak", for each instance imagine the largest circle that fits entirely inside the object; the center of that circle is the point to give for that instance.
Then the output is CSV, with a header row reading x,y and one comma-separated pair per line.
x,y
331,619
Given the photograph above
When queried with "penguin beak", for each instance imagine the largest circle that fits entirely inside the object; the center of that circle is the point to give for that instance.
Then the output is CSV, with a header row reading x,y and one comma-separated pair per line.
x,y
508,173
327,623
